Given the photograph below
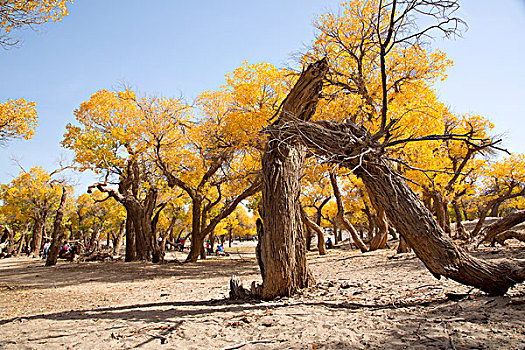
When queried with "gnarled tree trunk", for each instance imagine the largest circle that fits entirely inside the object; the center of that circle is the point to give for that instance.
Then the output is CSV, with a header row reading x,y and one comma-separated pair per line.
x,y
353,147
436,249
283,246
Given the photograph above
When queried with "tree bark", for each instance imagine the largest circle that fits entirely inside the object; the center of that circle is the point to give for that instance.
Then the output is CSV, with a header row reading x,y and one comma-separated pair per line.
x,y
58,231
22,240
283,246
9,237
197,241
403,246
460,230
94,239
308,238
441,211
380,238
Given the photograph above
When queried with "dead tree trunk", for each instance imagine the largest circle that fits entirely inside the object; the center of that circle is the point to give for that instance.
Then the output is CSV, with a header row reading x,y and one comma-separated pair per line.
x,y
58,231
437,250
499,226
353,147
283,246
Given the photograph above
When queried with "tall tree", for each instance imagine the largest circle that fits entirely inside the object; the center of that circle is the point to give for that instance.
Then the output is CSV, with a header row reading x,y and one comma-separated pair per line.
x,y
31,197
111,141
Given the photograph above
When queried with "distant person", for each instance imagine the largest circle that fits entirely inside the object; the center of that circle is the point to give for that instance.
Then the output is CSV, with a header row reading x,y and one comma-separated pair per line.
x,y
209,249
182,242
329,243
47,245
220,250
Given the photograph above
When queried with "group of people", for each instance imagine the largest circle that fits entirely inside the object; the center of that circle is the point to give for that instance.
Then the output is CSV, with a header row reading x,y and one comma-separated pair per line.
x,y
219,251
64,251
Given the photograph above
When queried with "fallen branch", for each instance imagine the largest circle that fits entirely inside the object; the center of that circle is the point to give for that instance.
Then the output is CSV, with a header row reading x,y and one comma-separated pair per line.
x,y
240,345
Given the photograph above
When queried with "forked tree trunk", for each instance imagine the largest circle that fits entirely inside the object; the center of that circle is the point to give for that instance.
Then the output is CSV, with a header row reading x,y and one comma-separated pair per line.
x,y
283,245
317,229
58,231
341,216
438,251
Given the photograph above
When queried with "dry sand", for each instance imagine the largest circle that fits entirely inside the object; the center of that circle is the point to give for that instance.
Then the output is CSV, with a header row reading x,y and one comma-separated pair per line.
x,y
362,301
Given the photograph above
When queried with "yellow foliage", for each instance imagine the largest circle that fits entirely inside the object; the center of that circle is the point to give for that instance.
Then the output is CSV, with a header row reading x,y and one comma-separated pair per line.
x,y
19,14
18,119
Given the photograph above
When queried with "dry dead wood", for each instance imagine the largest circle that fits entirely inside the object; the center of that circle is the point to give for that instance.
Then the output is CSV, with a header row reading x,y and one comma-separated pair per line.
x,y
353,147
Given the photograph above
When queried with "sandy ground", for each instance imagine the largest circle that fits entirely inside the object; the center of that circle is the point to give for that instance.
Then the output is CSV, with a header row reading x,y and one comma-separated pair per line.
x,y
362,301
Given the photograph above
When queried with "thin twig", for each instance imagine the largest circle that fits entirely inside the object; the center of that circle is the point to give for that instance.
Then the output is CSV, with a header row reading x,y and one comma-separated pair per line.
x,y
240,345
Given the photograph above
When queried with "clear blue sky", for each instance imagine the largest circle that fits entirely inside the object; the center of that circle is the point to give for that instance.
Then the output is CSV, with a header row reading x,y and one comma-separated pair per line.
x,y
171,47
